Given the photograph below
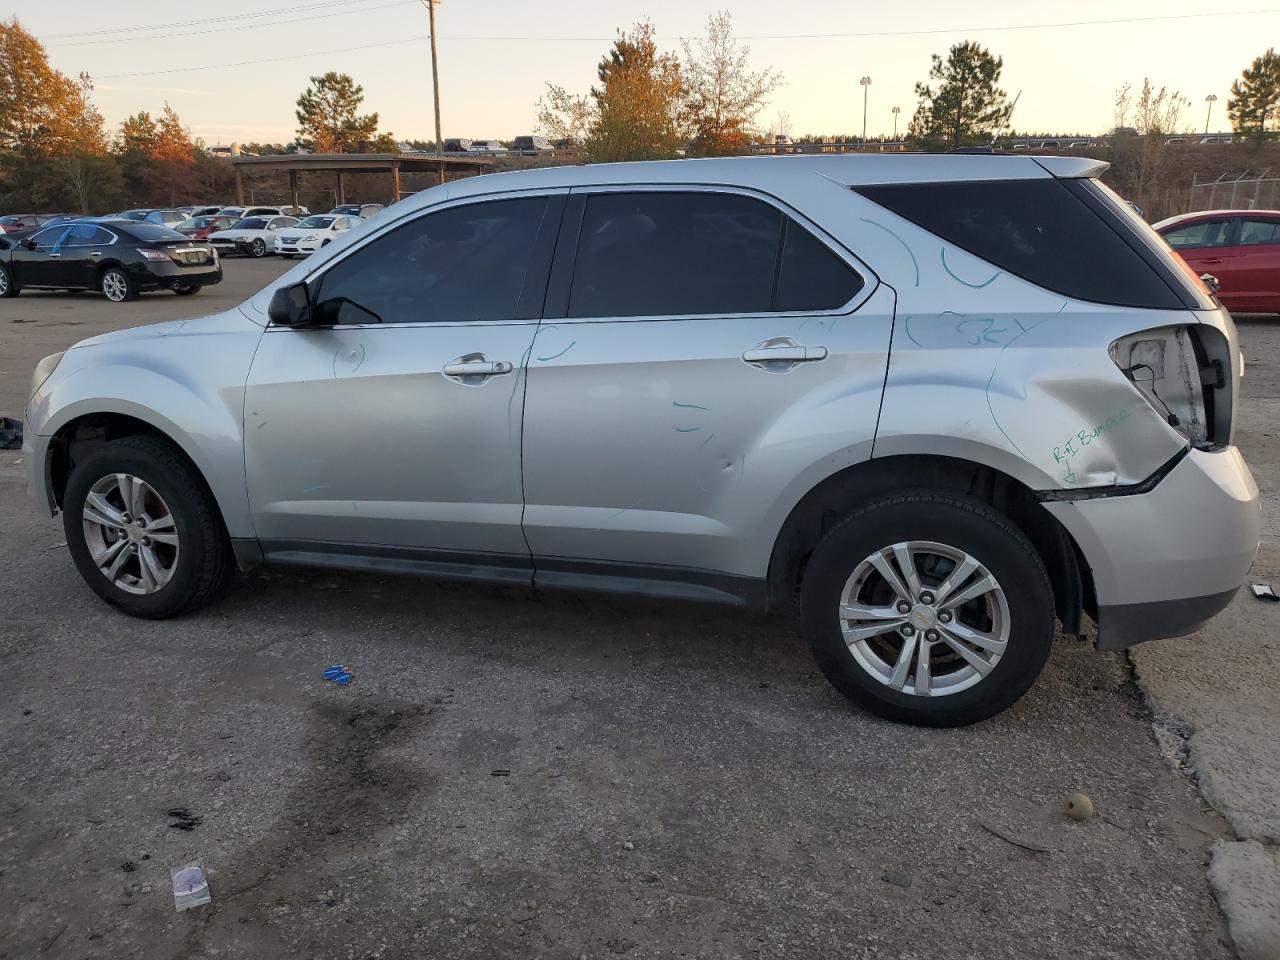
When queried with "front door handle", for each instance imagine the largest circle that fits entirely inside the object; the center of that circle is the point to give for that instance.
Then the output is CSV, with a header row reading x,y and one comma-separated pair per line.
x,y
55,256
95,253
784,354
475,368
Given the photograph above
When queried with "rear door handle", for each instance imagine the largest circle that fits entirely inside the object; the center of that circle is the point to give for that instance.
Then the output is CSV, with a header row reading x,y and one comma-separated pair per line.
x,y
95,253
784,354
53,256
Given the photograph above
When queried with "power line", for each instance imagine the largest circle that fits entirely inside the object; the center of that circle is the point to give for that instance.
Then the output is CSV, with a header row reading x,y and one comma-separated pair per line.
x,y
241,26
196,23
793,36
247,63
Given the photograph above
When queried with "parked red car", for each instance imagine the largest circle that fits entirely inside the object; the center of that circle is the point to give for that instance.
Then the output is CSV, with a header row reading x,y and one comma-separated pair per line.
x,y
199,228
1239,247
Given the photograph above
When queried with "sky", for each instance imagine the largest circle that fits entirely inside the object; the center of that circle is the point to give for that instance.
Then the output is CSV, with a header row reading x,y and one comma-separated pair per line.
x,y
495,56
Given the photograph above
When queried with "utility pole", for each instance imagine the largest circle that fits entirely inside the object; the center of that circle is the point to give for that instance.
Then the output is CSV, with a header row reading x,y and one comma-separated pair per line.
x,y
896,111
435,83
1211,99
866,86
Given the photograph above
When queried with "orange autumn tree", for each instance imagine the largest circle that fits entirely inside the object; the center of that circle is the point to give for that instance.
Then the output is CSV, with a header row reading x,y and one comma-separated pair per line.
x,y
53,149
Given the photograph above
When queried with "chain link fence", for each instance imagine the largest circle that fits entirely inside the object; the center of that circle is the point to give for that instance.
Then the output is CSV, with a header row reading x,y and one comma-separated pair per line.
x,y
1248,191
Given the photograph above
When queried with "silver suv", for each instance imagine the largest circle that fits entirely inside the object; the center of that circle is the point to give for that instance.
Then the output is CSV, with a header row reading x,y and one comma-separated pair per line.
x,y
931,404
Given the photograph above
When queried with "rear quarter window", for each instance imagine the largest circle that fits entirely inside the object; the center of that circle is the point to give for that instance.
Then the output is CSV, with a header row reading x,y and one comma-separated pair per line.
x,y
1038,230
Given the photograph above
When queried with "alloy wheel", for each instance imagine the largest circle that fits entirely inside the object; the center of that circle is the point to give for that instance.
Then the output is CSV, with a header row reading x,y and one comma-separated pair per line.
x,y
114,286
4,283
258,248
130,533
924,618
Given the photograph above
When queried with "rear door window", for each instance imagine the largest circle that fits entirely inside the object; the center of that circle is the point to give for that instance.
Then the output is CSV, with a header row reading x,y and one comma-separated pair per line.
x,y
655,254
1206,233
1039,230
1253,232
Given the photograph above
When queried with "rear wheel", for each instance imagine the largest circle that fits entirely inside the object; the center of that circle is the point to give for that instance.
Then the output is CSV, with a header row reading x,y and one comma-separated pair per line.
x,y
7,287
258,248
928,608
117,286
143,531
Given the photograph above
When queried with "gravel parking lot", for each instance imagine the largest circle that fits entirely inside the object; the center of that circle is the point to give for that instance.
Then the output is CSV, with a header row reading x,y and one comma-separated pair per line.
x,y
516,774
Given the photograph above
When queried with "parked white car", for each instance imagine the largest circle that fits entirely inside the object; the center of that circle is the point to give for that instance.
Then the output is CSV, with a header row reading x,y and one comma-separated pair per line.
x,y
252,236
311,234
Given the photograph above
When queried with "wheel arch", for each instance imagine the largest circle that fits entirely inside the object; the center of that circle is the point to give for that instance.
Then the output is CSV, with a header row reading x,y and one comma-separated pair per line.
x,y
837,495
86,431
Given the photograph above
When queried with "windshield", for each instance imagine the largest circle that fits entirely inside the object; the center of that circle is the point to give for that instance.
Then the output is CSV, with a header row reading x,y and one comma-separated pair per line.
x,y
134,214
195,223
154,231
252,223
322,223
349,208
231,212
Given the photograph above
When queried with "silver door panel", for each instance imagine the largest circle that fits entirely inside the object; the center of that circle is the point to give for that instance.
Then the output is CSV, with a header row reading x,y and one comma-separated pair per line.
x,y
355,435
653,441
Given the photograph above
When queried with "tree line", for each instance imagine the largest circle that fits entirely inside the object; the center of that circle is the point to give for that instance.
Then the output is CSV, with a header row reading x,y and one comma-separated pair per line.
x,y
57,154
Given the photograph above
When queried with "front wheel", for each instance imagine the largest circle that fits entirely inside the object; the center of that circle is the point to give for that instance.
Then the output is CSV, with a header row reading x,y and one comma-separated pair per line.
x,y
143,530
928,608
117,286
257,249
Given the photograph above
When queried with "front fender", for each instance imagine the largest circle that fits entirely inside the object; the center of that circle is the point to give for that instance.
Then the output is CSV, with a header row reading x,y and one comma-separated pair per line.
x,y
188,385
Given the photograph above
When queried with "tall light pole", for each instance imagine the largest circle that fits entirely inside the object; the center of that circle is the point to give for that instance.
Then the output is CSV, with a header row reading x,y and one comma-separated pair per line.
x,y
435,83
1211,99
896,111
866,85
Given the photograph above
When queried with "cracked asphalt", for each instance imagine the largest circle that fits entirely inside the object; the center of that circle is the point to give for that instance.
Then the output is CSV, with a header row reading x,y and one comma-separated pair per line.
x,y
519,774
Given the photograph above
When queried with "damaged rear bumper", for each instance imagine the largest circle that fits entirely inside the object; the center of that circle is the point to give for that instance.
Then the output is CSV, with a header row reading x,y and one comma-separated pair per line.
x,y
1167,559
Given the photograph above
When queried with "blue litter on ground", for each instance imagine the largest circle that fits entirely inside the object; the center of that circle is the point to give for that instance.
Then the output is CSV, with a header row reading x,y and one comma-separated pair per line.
x,y
339,674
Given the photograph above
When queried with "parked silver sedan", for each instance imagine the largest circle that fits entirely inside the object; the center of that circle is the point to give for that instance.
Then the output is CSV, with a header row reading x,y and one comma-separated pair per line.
x,y
929,404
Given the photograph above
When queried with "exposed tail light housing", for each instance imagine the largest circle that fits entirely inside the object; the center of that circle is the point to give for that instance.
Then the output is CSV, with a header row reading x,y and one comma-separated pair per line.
x,y
1169,368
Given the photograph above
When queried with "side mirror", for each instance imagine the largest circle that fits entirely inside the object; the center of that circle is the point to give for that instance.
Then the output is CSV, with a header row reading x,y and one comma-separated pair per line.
x,y
290,306
1210,281
29,243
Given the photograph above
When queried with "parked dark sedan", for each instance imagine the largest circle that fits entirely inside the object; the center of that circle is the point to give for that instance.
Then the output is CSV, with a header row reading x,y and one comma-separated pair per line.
x,y
120,258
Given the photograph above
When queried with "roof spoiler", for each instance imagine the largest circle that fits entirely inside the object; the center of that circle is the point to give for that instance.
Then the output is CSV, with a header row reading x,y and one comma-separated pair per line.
x,y
1072,167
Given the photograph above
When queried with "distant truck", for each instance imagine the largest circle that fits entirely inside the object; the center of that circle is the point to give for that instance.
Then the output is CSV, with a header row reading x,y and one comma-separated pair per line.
x,y
531,144
456,145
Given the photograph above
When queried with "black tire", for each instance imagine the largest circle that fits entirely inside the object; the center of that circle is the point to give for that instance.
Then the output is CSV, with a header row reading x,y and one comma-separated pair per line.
x,y
325,243
959,522
8,286
186,290
204,563
130,289
257,248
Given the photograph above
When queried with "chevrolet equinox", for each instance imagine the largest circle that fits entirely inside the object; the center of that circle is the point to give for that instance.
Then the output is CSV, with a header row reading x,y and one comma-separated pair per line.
x,y
929,404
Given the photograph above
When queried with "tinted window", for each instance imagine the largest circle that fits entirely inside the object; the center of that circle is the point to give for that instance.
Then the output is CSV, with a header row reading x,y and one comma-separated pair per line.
x,y
674,254
320,223
252,223
668,254
465,264
811,277
279,222
1259,231
1207,233
1039,230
